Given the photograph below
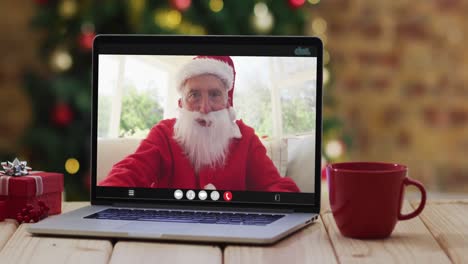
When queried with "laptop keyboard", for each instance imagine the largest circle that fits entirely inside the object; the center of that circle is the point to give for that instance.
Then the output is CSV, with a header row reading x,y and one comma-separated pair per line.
x,y
186,216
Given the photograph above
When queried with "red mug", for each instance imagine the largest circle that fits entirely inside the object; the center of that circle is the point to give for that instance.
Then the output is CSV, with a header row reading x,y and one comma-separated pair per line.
x,y
366,197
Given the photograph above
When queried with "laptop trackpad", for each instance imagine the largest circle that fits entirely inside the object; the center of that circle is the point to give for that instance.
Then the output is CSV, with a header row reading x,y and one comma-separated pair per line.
x,y
153,229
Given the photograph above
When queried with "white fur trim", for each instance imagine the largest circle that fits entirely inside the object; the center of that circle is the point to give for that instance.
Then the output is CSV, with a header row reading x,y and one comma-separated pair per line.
x,y
232,114
205,66
209,186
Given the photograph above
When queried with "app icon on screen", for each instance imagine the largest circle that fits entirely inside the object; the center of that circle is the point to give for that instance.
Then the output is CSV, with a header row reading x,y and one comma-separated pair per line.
x,y
190,195
202,195
227,196
214,195
178,194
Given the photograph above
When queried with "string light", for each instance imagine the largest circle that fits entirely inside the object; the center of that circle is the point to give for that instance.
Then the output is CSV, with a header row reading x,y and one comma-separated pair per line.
x,y
260,9
68,8
61,60
184,27
197,30
136,8
72,165
319,26
216,5
191,29
137,5
262,19
324,39
334,149
326,57
326,76
168,19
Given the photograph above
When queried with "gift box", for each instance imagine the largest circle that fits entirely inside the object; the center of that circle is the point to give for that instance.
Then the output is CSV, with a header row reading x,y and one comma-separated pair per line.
x,y
18,191
2,210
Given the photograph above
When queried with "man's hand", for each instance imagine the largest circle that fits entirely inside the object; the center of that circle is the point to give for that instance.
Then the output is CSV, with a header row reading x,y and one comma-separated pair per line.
x,y
209,186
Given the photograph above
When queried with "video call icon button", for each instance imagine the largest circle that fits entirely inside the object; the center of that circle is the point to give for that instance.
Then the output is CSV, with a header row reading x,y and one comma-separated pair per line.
x,y
227,196
190,195
178,194
214,195
202,195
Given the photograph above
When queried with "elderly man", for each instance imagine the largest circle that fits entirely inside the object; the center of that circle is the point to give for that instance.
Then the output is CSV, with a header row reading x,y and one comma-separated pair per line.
x,y
205,148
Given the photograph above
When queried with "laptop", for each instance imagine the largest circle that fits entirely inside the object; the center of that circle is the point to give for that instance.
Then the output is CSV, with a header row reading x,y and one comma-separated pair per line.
x,y
255,181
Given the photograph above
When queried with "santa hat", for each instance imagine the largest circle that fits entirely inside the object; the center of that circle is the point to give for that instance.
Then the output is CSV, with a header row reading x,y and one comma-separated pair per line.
x,y
221,66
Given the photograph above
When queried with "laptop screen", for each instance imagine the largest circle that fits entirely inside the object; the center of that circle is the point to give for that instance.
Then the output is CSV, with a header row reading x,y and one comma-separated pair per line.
x,y
207,120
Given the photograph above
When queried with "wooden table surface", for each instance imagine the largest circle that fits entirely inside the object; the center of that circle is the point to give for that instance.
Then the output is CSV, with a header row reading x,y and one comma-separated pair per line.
x,y
438,235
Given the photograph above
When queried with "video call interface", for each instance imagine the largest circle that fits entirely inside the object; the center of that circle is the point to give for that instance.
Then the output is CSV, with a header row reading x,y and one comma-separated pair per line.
x,y
182,128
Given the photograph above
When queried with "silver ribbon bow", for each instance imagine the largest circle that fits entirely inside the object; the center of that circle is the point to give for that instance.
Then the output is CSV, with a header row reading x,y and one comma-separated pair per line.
x,y
16,168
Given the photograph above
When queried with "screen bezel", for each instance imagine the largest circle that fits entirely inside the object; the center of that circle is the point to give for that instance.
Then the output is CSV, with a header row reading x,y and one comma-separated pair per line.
x,y
208,45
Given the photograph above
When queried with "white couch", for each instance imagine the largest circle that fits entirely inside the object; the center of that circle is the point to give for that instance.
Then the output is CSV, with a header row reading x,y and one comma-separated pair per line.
x,y
293,157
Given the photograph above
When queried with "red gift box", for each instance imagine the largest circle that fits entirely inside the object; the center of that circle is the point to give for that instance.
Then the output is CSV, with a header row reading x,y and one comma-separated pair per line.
x,y
2,210
17,192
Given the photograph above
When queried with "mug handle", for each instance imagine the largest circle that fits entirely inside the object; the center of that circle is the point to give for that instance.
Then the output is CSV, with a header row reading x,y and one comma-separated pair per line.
x,y
408,181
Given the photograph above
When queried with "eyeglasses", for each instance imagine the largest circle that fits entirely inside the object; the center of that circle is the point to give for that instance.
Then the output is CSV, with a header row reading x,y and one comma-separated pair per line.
x,y
215,97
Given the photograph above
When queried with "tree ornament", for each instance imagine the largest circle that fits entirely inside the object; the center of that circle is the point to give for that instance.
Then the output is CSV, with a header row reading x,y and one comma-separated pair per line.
x,y
295,4
85,40
181,5
62,114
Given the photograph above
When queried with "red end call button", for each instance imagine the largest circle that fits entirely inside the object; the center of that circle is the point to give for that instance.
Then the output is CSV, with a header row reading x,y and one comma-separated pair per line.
x,y
227,196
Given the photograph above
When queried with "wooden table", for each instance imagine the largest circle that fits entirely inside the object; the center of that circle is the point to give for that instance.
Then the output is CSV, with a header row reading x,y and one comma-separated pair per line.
x,y
439,235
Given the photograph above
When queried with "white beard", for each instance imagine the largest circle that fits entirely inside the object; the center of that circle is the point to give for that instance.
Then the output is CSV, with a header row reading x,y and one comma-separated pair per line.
x,y
205,145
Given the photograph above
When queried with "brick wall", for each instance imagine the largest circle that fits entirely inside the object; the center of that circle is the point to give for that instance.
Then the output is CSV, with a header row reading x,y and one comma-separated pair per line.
x,y
400,78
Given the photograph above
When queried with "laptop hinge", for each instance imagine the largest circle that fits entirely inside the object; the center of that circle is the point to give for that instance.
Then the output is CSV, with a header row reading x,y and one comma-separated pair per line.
x,y
204,208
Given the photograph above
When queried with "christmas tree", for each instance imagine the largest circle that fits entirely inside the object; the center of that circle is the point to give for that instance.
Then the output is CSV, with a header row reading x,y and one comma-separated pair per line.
x,y
59,138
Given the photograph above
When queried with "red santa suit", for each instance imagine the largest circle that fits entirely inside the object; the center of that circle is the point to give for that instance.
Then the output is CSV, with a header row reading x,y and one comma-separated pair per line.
x,y
160,162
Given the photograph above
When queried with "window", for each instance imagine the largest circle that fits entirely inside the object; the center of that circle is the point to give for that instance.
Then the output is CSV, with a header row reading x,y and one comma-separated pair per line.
x,y
133,94
275,96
